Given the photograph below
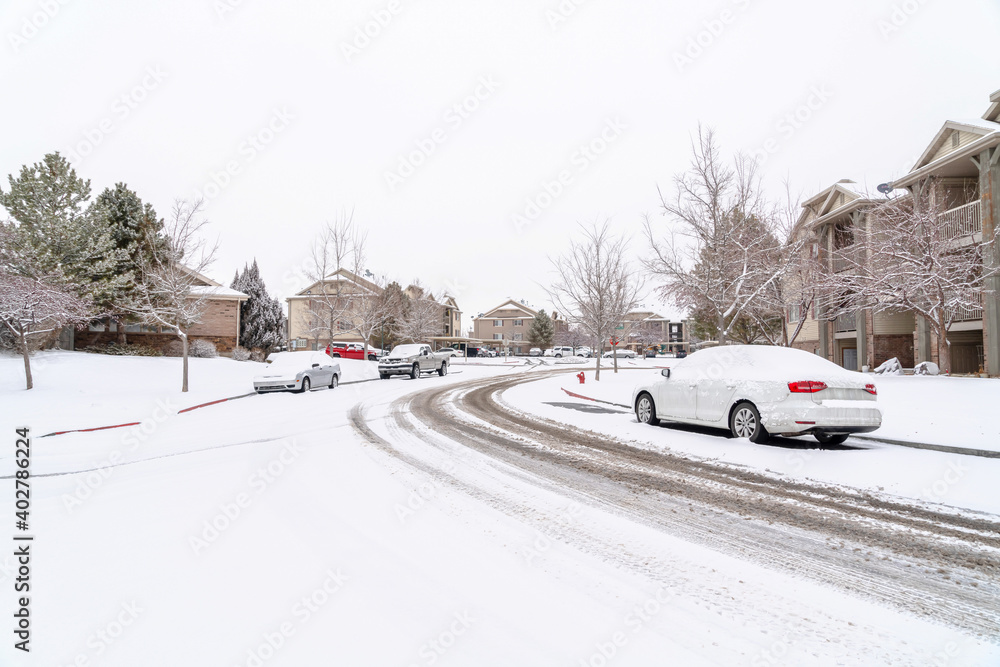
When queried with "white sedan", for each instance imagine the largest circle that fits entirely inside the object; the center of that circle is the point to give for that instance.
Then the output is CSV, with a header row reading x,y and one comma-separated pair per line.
x,y
756,391
298,371
621,354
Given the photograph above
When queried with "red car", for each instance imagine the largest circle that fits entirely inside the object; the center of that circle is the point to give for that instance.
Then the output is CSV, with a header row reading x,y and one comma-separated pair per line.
x,y
350,351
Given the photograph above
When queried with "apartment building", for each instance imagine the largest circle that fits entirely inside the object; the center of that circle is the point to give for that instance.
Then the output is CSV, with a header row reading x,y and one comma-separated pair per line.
x,y
645,329
507,324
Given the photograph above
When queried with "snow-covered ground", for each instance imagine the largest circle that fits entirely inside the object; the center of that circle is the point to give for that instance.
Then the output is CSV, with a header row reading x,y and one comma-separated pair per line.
x,y
266,531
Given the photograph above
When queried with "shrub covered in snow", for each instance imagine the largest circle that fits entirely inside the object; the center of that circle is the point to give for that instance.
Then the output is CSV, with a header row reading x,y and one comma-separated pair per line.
x,y
257,355
926,368
889,367
125,350
204,349
241,353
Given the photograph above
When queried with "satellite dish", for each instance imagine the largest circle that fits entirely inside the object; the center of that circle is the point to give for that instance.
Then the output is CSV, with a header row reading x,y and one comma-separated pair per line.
x,y
885,188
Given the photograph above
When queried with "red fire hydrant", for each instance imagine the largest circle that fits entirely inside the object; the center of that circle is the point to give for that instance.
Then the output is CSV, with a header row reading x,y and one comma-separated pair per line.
x,y
582,377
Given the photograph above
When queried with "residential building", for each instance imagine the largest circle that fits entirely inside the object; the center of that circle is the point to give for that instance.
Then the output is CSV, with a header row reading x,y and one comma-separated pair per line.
x,y
644,329
219,323
507,324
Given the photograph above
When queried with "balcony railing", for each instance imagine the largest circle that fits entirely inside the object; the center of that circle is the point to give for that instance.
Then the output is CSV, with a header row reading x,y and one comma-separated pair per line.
x,y
964,314
965,220
846,258
846,322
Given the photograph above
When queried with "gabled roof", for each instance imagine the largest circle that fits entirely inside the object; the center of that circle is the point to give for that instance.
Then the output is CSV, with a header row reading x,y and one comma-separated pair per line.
x,y
973,126
340,276
510,304
993,113
827,205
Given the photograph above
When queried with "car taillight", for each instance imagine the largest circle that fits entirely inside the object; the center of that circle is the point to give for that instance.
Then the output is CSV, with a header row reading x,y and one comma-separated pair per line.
x,y
806,386
870,388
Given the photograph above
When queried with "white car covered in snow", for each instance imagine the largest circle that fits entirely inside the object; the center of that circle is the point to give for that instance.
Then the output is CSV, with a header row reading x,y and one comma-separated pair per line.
x,y
756,391
298,371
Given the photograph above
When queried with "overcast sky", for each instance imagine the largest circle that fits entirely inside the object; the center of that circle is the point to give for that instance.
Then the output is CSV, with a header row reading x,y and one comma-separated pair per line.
x,y
284,114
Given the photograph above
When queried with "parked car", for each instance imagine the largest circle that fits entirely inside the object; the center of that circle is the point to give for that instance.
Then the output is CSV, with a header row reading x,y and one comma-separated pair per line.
x,y
412,360
297,371
351,351
535,352
621,354
562,351
584,351
450,351
756,391
549,353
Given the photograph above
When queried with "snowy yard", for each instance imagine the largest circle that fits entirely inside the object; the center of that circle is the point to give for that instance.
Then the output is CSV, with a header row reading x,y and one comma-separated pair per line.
x,y
267,531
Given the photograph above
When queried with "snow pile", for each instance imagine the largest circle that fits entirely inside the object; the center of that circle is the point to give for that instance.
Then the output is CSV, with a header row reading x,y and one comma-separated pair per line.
x,y
889,367
570,360
926,368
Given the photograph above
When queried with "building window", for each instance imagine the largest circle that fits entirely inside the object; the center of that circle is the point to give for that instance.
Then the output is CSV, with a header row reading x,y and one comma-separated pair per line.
x,y
497,336
343,325
794,312
96,325
518,323
955,139
132,328
518,336
498,323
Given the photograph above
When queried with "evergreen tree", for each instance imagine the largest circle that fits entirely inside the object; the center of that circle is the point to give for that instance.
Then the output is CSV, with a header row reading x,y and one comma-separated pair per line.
x,y
136,233
542,331
60,230
261,316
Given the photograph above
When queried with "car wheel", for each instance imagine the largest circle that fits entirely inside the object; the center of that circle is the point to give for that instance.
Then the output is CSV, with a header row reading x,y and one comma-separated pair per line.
x,y
384,376
645,411
744,422
372,357
443,370
831,438
415,372
558,356
334,381
305,384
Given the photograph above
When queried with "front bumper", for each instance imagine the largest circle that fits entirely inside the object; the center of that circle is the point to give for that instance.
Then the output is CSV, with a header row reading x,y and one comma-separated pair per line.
x,y
277,384
395,368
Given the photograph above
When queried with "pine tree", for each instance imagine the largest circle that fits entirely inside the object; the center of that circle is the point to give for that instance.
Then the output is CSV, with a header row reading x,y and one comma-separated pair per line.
x,y
542,331
61,230
261,316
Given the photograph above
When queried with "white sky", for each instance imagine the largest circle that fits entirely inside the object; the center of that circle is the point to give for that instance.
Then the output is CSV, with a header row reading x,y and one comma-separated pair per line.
x,y
228,67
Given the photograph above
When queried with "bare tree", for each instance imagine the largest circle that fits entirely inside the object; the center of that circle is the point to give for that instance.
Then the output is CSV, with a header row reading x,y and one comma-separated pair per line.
x,y
721,255
911,259
595,285
173,293
30,308
340,245
374,308
423,317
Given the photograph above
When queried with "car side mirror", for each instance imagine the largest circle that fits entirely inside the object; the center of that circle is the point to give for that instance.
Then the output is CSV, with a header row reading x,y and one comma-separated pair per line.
x,y
315,365
665,373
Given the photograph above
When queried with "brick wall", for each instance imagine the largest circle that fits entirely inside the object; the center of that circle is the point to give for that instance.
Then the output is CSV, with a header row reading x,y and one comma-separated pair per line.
x,y
887,346
219,319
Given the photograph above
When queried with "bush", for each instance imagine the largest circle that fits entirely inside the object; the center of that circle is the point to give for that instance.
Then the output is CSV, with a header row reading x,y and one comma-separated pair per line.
x,y
241,353
126,350
174,349
203,349
258,355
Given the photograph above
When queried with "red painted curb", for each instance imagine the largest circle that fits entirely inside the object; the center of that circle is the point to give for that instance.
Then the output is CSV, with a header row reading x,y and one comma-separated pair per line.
x,y
595,400
87,430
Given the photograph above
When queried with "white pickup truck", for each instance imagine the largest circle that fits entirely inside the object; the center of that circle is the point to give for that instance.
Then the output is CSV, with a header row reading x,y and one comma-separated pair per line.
x,y
412,360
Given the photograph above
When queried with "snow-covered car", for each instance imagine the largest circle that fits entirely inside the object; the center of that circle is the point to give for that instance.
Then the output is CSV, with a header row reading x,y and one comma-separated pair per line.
x,y
297,371
412,360
562,351
584,351
549,353
621,354
450,351
756,391
535,352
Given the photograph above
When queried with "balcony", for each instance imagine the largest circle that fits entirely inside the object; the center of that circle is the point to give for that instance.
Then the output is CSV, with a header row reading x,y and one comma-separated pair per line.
x,y
969,314
847,258
962,221
845,322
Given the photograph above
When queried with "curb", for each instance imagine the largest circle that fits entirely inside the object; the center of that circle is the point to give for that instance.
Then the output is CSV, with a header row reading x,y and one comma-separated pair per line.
x,y
597,400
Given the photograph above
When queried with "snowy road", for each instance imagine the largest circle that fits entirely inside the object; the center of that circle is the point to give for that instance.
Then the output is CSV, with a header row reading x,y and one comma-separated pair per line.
x,y
941,565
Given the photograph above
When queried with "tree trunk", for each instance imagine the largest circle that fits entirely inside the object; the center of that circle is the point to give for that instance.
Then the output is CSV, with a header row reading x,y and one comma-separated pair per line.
x,y
944,351
184,346
27,360
720,324
600,351
615,348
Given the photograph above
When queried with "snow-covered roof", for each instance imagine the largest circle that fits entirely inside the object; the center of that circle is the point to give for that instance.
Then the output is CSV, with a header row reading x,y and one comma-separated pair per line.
x,y
217,291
